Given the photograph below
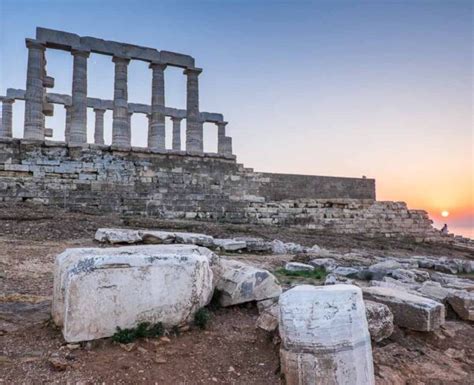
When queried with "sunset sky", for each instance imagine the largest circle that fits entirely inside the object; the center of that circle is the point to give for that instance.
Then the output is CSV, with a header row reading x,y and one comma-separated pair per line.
x,y
345,88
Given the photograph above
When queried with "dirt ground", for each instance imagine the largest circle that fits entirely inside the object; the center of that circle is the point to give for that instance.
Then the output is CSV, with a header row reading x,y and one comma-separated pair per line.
x,y
230,351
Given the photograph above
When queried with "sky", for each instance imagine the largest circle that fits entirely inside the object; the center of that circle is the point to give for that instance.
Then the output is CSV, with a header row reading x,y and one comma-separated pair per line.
x,y
344,88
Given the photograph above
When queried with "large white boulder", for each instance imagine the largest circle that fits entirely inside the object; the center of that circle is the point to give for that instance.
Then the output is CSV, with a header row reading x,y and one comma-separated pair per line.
x,y
409,310
325,337
240,283
98,290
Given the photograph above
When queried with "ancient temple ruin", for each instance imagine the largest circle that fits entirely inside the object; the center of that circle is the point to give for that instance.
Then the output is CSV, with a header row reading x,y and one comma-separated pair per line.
x,y
39,103
180,182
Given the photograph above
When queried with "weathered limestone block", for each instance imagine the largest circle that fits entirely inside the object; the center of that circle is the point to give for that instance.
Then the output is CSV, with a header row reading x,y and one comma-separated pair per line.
x,y
255,244
97,290
279,247
381,269
435,291
453,282
328,264
195,239
297,266
409,310
230,244
463,304
325,337
380,320
118,236
157,237
240,283
351,272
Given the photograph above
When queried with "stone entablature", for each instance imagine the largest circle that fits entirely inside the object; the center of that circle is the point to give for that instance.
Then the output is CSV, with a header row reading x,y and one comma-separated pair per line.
x,y
39,104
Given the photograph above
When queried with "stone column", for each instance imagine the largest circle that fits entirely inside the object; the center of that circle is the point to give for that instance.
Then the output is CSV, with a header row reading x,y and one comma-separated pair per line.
x,y
149,128
194,130
176,133
129,133
156,137
99,126
78,133
221,137
6,128
228,145
120,125
34,118
67,131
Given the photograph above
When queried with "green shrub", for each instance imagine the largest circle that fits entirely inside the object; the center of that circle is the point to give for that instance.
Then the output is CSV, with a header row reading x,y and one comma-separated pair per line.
x,y
143,329
201,318
313,274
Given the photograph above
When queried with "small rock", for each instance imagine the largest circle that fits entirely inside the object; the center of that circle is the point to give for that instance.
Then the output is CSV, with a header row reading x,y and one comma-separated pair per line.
x,y
380,320
268,320
160,360
73,346
297,266
332,279
165,339
128,347
142,350
58,363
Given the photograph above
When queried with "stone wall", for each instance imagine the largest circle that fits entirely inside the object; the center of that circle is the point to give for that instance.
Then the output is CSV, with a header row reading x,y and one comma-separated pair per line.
x,y
177,184
349,216
291,186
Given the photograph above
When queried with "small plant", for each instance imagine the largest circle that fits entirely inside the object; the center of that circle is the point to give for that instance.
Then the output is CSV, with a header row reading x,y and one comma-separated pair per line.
x,y
201,318
143,329
306,274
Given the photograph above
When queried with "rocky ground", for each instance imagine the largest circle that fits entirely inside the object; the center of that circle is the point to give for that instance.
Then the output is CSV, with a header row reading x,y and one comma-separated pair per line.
x,y
231,350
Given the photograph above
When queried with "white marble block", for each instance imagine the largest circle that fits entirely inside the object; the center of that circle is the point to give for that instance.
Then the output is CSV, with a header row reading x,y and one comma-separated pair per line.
x,y
325,336
98,290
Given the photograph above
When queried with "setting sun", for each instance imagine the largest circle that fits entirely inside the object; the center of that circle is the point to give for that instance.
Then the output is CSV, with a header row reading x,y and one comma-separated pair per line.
x,y
445,213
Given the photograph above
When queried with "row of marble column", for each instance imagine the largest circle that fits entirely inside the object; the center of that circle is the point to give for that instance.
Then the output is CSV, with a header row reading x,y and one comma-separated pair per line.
x,y
77,131
224,144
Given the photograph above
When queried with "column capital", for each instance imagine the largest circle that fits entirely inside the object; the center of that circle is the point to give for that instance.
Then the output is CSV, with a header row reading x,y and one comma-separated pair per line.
x,y
32,43
223,124
176,119
192,71
80,52
157,65
8,100
99,110
121,59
